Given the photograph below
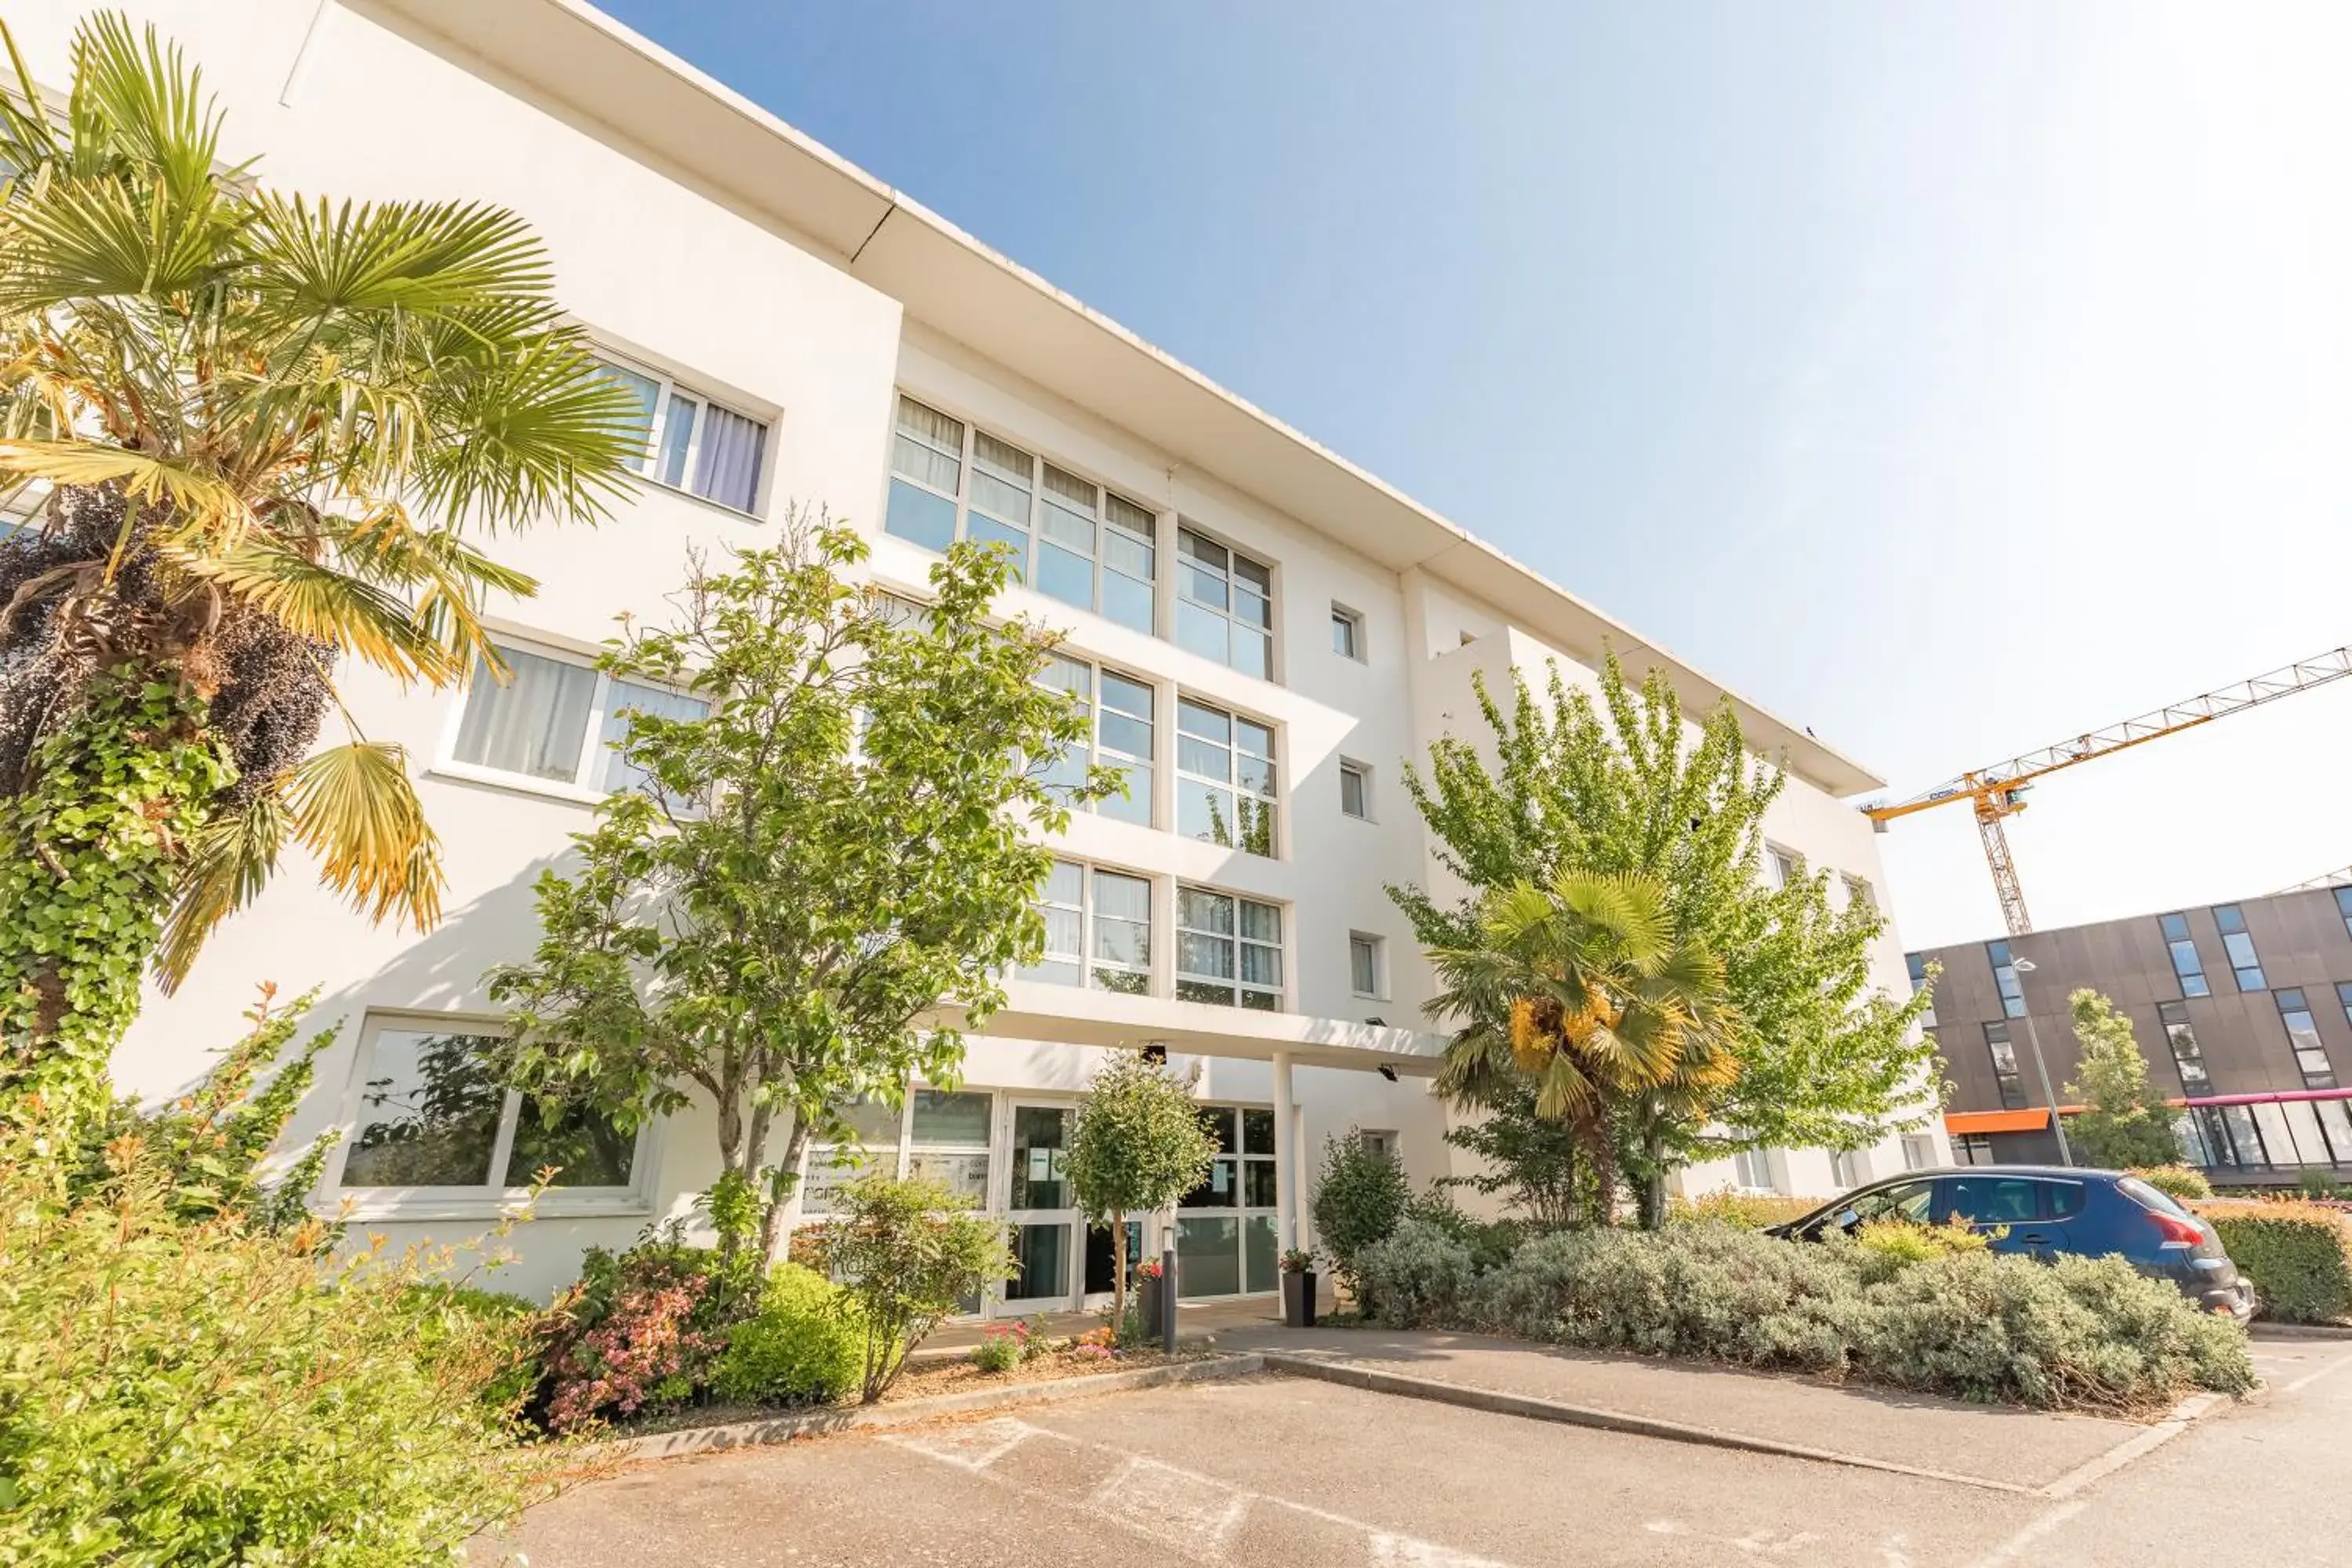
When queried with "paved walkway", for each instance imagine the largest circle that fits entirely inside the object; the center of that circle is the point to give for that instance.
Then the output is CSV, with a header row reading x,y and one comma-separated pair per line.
x,y
1194,1321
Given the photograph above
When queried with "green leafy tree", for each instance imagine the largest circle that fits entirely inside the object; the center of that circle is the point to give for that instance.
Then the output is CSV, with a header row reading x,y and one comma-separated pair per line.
x,y
1586,992
1138,1146
267,429
910,1254
1361,1197
1621,785
2127,1122
1532,1163
821,877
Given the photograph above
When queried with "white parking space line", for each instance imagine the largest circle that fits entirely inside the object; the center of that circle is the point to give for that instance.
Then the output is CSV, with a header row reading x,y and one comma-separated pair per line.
x,y
2016,1545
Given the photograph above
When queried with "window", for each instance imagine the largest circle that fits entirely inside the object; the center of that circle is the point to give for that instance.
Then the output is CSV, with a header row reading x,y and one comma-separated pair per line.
x,y
2186,1055
1225,778
1071,538
1225,605
1355,790
2222,1136
1364,966
1917,963
1858,893
1385,1144
1228,950
948,1141
877,1134
691,443
1995,1200
1918,1151
1847,1168
2004,1066
1786,866
1347,633
1974,1149
2303,1038
2245,967
2004,979
431,1114
2344,906
558,721
2344,997
1117,708
1097,929
2186,963
1751,1170
1226,1238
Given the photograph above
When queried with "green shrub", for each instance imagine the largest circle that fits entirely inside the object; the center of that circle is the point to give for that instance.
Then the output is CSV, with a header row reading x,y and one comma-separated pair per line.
x,y
212,1393
1360,1199
472,1320
642,1330
911,1252
1003,1347
1418,1278
2297,1255
1746,1211
2083,1332
1491,1241
804,1346
2175,1180
1890,1243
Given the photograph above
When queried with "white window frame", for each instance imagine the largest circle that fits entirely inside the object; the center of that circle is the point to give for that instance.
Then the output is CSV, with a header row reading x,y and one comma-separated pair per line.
x,y
1354,621
1918,1151
1383,1141
1232,784
1859,890
1380,954
600,708
492,1198
1349,767
1233,984
1783,864
1749,1164
1105,515
657,435
1849,1168
1270,631
1088,910
1100,754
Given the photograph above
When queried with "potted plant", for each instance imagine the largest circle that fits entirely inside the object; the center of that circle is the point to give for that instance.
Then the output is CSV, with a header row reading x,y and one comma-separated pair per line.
x,y
1149,1290
1298,1288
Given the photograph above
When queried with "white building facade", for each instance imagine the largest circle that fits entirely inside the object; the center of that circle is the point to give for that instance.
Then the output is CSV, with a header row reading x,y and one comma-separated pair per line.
x,y
1267,635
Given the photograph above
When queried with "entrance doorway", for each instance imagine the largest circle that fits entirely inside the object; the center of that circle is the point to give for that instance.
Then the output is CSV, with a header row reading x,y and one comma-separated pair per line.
x,y
1038,1208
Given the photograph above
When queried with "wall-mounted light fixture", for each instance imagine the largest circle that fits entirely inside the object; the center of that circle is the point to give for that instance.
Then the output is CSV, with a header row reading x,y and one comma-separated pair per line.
x,y
1388,1072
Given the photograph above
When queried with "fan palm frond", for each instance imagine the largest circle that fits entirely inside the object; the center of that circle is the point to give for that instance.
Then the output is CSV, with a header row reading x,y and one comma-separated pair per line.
x,y
229,863
354,808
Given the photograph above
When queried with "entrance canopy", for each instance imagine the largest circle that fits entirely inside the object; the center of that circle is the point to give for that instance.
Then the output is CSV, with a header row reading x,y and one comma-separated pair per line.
x,y
1036,1011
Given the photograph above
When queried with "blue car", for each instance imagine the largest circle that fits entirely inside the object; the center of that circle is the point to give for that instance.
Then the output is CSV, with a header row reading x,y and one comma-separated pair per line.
x,y
2044,1210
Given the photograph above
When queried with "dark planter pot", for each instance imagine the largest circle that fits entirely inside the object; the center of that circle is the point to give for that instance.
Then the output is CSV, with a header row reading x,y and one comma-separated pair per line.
x,y
1298,1299
1147,1292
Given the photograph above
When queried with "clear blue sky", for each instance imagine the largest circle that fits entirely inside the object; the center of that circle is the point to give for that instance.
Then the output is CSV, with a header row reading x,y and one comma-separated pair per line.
x,y
1950,379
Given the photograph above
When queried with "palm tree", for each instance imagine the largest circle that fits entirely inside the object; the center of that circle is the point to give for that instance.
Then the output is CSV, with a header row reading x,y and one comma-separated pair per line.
x,y
1584,992
255,435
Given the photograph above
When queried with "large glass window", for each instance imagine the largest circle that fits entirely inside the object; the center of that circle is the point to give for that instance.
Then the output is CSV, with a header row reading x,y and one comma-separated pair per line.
x,y
2246,966
2004,1066
559,719
947,1140
876,1134
2186,1054
1225,778
1226,1226
1228,950
1117,710
689,442
1225,605
1070,538
2187,966
432,1115
1097,929
2303,1038
2004,979
1917,963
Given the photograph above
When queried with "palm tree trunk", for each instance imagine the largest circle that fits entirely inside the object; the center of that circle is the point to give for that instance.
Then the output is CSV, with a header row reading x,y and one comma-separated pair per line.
x,y
90,854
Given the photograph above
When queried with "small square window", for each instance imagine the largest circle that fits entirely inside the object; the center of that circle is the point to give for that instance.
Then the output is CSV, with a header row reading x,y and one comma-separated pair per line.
x,y
1355,790
1364,965
1784,866
1858,892
1347,633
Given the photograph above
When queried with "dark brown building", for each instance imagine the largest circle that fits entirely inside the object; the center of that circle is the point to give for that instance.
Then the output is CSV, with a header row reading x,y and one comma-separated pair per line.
x,y
2243,1011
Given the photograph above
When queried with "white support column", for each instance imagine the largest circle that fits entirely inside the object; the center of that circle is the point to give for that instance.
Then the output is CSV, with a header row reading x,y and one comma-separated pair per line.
x,y
1302,1154
1285,1147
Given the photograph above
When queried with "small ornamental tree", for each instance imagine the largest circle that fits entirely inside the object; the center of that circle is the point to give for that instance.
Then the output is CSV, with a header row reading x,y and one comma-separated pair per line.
x,y
910,1254
1360,1201
2125,1122
1138,1146
827,865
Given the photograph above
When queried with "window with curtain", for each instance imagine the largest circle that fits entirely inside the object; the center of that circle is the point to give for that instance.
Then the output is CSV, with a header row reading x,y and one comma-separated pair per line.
x,y
1364,965
1097,929
689,442
559,719
1225,605
1118,713
1228,950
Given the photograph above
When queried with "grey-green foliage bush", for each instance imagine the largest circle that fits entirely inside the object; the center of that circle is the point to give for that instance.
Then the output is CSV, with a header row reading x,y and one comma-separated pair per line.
x,y
2083,1332
806,1345
1360,1201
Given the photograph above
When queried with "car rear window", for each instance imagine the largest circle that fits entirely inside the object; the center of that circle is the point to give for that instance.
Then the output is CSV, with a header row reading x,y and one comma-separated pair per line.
x,y
2065,1199
2148,1197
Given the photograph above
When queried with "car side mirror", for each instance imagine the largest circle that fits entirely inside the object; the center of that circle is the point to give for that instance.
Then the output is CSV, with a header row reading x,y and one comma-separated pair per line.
x,y
1847,1219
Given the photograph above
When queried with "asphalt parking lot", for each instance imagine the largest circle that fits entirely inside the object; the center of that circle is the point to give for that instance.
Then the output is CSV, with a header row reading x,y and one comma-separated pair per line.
x,y
1281,1472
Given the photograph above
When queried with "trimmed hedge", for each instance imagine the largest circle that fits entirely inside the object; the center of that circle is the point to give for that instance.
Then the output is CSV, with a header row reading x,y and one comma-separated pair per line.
x,y
1744,1211
2298,1256
2081,1333
2174,1180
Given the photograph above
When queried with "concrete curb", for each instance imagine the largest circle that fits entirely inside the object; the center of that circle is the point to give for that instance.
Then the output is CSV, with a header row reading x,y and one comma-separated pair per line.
x,y
689,1440
1355,1375
2260,1329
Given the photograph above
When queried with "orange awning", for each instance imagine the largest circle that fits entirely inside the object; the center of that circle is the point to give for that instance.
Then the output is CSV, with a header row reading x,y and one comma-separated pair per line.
x,y
1995,1121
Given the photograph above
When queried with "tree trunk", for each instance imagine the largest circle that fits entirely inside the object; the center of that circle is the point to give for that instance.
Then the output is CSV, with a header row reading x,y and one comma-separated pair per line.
x,y
786,1176
1117,1271
90,856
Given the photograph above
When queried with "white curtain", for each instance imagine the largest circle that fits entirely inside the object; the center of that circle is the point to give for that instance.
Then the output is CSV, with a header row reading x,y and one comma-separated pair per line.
x,y
728,471
534,723
618,772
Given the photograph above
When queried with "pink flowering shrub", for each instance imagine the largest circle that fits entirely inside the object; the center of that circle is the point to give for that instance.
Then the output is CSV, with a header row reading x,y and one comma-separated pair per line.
x,y
642,1353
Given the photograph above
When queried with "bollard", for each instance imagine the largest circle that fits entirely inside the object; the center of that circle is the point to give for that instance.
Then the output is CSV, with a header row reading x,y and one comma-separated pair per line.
x,y
1168,1298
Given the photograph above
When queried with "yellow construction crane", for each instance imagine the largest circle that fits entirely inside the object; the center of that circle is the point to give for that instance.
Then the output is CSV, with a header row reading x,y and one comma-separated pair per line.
x,y
1998,791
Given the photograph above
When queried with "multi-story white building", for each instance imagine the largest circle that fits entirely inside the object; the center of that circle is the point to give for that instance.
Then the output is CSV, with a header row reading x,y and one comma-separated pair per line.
x,y
1267,632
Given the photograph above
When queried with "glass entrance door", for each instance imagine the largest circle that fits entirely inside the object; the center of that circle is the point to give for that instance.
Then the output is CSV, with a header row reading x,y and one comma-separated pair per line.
x,y
1038,1208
